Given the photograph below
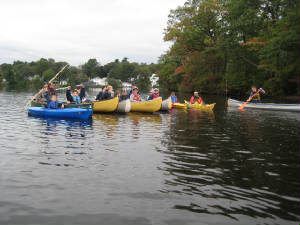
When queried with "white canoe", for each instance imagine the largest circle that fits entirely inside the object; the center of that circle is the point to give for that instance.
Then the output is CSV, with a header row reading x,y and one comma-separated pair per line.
x,y
124,106
166,105
265,106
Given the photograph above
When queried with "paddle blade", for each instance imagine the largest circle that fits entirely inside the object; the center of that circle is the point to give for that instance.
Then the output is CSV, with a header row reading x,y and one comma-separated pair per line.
x,y
243,106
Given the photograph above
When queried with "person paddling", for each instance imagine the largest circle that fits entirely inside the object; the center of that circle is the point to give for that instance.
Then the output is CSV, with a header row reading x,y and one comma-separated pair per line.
x,y
196,99
135,97
173,97
154,95
255,95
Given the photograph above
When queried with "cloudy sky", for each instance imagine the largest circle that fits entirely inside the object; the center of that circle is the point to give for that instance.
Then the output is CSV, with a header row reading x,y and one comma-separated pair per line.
x,y
76,30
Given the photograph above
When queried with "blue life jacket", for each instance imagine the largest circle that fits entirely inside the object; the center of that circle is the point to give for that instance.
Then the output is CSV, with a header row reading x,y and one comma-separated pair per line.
x,y
76,99
53,105
173,99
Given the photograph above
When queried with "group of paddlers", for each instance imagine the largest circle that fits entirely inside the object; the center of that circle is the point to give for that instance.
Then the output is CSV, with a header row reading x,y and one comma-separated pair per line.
x,y
48,95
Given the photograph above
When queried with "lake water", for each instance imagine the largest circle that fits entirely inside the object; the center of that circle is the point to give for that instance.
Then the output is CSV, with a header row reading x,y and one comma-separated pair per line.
x,y
181,167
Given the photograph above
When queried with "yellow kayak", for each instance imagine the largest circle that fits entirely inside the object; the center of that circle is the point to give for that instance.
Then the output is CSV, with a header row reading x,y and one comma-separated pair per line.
x,y
146,106
179,106
200,106
109,105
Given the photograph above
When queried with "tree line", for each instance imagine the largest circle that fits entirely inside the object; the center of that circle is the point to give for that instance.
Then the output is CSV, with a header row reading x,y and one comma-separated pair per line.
x,y
32,75
233,44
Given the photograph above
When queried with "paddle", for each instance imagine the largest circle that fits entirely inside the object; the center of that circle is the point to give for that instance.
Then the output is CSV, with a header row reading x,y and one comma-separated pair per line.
x,y
249,100
50,81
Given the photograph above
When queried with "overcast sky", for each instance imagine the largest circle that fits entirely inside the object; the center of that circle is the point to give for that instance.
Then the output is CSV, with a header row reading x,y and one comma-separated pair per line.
x,y
76,30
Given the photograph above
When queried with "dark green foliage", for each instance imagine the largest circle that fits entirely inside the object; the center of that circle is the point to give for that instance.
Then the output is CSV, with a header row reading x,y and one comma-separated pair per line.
x,y
245,42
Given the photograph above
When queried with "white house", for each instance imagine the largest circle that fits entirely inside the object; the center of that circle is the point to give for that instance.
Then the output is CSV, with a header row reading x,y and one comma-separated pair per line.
x,y
154,80
99,81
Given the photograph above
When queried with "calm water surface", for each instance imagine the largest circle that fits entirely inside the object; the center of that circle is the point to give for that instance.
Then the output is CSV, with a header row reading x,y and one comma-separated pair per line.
x,y
182,167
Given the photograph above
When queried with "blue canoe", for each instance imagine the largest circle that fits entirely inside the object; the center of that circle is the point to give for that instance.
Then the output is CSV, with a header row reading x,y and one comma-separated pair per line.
x,y
74,113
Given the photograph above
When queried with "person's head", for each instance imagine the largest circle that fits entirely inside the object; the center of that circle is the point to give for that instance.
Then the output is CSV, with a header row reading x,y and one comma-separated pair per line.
x,y
155,90
117,93
51,85
133,87
124,92
151,92
253,88
82,85
103,88
109,88
53,97
196,93
173,93
75,92
135,91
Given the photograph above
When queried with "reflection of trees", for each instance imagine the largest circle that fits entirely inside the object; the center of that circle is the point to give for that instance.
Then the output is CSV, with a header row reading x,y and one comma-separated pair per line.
x,y
224,167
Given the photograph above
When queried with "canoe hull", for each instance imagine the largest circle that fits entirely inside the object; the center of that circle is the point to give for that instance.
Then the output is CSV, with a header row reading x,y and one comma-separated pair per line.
x,y
147,106
82,105
106,106
166,105
71,113
179,106
124,106
200,106
265,106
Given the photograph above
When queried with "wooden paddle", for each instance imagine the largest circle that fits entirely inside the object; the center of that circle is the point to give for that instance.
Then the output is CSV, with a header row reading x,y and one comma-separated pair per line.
x,y
50,81
249,100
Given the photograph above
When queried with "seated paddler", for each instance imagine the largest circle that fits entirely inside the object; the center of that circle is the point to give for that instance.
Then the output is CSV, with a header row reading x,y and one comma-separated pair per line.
x,y
255,95
52,102
196,99
76,97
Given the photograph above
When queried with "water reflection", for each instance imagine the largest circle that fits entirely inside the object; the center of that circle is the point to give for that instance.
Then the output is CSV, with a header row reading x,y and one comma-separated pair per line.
x,y
230,173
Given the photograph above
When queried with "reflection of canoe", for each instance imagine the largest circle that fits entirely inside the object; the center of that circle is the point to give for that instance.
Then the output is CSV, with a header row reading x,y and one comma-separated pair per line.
x,y
266,106
124,106
200,106
109,105
166,105
142,117
74,113
179,105
146,106
82,105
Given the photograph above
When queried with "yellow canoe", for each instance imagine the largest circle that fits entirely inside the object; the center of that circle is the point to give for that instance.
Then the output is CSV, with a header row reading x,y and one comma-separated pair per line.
x,y
109,105
200,106
179,106
146,106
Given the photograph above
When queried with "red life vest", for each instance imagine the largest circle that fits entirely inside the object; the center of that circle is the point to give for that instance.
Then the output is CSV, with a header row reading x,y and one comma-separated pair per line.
x,y
136,97
155,95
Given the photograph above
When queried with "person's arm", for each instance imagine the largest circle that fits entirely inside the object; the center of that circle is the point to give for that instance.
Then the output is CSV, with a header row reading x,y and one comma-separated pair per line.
x,y
131,97
262,91
192,99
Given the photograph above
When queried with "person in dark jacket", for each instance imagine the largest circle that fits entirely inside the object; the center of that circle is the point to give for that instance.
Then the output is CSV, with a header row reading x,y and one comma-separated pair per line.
x,y
101,93
52,102
108,94
69,95
82,92
124,95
